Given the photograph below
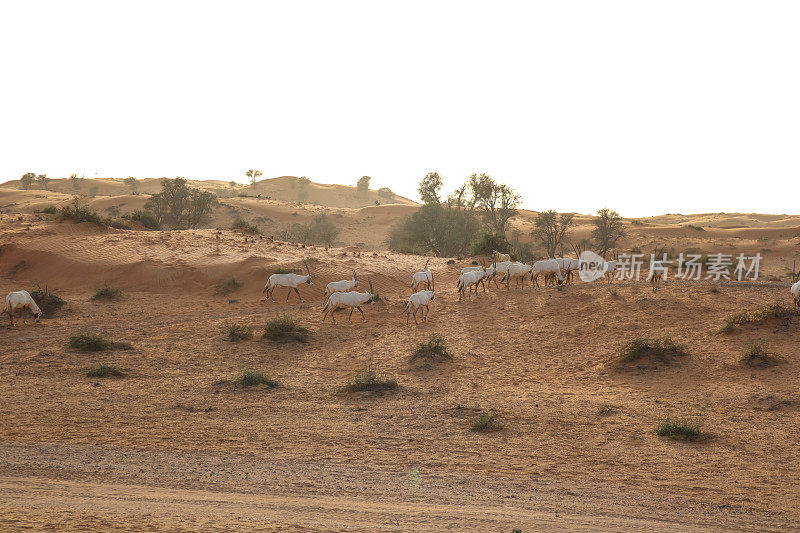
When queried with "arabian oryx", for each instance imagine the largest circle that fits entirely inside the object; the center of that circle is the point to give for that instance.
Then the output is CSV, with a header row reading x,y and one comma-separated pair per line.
x,y
352,299
290,281
424,276
20,301
419,300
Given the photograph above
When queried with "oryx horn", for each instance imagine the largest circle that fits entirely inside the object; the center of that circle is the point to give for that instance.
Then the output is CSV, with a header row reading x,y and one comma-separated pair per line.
x,y
307,270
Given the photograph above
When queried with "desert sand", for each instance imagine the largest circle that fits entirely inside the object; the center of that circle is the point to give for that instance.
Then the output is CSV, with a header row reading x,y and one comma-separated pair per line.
x,y
177,445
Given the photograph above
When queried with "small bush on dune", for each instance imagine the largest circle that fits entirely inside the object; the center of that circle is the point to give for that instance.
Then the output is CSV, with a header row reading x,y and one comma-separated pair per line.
x,y
251,378
145,218
369,380
755,354
119,224
283,328
776,310
487,421
50,210
238,332
88,341
282,270
107,292
105,371
227,285
660,348
245,227
48,302
678,429
78,214
434,349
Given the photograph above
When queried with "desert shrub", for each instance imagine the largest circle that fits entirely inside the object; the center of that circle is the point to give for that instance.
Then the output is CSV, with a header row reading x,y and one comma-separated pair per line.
x,y
434,349
385,193
48,302
696,228
445,231
50,210
295,233
251,378
660,348
105,371
487,421
77,214
119,224
714,289
88,341
756,354
369,380
283,270
179,206
678,429
490,242
145,218
227,285
322,230
238,332
283,328
106,292
775,310
245,227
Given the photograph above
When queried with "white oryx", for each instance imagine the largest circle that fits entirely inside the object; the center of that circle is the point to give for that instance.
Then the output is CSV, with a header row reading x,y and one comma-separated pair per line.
x,y
468,280
290,281
20,301
497,257
796,295
352,299
568,267
421,277
658,271
610,268
517,272
549,268
419,300
341,286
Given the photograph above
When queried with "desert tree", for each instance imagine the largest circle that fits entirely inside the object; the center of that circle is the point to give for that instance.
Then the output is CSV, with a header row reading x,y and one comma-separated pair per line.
x,y
429,188
75,181
177,205
253,175
44,181
549,229
131,182
385,193
27,180
321,229
436,228
201,203
459,199
363,184
608,229
497,202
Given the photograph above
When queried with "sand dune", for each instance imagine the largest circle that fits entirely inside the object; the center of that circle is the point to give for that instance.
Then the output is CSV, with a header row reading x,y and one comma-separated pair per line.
x,y
177,445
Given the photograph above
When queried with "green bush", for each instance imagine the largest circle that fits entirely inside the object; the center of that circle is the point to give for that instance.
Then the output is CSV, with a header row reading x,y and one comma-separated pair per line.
x,y
282,270
660,348
145,218
490,242
755,354
444,231
678,429
245,227
48,302
251,378
78,214
88,341
283,328
50,210
434,349
487,421
774,310
369,380
238,332
107,292
105,371
119,224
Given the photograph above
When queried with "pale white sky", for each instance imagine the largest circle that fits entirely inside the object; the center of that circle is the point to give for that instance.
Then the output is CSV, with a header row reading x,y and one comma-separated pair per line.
x,y
646,107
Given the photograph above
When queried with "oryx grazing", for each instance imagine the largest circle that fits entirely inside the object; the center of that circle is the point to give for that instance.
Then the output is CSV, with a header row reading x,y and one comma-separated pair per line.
x,y
290,281
20,301
419,300
341,286
424,276
352,299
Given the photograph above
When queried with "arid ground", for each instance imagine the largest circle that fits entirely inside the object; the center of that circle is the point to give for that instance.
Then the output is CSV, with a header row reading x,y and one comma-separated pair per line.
x,y
177,445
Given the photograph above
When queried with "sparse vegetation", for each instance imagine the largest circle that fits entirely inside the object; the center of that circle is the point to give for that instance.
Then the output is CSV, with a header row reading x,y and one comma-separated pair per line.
x,y
178,206
608,229
755,354
283,328
228,285
78,214
486,422
146,218
696,228
283,270
369,380
662,349
105,371
245,227
776,310
88,341
48,302
678,429
50,210
251,378
435,349
107,292
238,332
